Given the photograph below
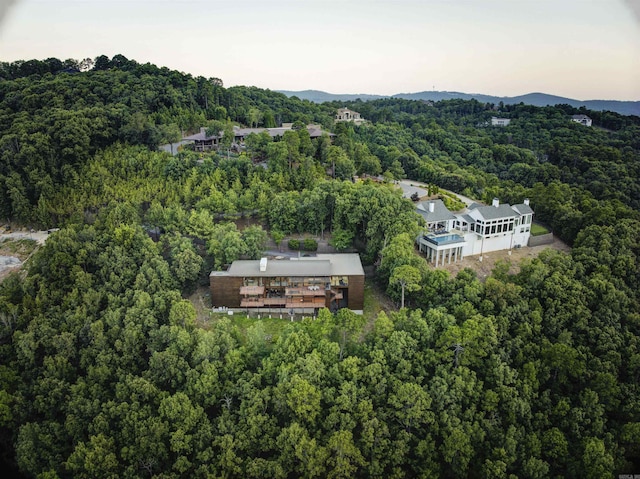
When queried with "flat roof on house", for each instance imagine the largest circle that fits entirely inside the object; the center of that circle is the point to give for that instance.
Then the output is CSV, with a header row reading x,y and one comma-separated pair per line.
x,y
342,264
346,264
280,267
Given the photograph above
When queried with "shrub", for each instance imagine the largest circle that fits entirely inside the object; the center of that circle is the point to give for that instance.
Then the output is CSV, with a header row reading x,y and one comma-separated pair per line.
x,y
538,229
452,203
309,244
294,244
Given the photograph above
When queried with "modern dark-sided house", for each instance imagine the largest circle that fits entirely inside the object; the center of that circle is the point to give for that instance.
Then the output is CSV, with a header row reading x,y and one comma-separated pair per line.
x,y
298,285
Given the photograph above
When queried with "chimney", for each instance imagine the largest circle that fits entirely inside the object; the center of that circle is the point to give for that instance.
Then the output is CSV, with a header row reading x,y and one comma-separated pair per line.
x,y
526,201
495,202
432,206
263,264
203,130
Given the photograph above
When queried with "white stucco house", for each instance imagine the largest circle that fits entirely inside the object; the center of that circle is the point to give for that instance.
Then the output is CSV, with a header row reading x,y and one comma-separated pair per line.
x,y
344,114
476,230
500,121
582,119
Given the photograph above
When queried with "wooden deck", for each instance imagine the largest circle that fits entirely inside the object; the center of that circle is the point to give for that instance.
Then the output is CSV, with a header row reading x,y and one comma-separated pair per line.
x,y
305,292
288,303
299,297
274,301
317,302
252,302
252,290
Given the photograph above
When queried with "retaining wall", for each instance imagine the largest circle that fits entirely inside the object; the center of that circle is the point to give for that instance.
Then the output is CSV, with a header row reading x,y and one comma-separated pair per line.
x,y
541,240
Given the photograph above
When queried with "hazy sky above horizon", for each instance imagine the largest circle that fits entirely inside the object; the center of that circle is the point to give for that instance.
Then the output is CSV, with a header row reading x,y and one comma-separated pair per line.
x,y
582,49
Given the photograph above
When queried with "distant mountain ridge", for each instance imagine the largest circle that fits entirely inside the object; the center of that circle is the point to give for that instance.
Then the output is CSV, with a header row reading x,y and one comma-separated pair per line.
x,y
536,99
318,96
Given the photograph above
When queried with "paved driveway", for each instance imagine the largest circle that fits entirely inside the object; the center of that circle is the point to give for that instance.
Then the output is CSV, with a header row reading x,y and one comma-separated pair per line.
x,y
39,236
409,187
173,149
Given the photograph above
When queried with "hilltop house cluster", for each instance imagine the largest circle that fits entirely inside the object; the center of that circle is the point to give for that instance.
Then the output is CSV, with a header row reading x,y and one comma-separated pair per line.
x,y
477,230
582,119
204,142
208,142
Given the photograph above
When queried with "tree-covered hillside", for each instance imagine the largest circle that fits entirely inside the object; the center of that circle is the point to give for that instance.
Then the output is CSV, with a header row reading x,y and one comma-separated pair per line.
x,y
105,372
574,175
52,121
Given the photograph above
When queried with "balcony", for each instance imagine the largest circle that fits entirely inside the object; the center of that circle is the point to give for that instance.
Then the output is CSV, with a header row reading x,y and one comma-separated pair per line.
x,y
275,301
445,239
336,295
317,302
252,290
305,291
252,303
263,302
288,303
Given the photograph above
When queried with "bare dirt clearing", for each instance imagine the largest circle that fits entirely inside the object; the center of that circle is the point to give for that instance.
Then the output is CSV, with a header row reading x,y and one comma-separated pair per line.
x,y
201,301
14,251
483,268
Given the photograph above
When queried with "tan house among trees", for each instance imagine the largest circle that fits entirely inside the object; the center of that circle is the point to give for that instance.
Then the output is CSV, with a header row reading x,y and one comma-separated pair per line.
x,y
344,114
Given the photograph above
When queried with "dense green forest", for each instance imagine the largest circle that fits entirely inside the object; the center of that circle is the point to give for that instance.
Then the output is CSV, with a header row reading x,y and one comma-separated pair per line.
x,y
105,372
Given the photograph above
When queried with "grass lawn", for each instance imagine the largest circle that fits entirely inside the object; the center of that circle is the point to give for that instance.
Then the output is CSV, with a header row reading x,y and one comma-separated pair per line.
x,y
537,230
375,300
273,327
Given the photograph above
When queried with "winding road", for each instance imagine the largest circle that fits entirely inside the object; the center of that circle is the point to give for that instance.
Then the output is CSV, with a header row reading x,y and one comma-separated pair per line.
x,y
410,187
39,236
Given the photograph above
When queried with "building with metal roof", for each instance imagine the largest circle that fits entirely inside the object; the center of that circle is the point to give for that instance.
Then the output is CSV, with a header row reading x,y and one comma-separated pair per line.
x,y
291,285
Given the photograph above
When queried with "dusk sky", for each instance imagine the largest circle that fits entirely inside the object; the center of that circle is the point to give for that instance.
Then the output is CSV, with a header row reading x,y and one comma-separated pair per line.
x,y
582,49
